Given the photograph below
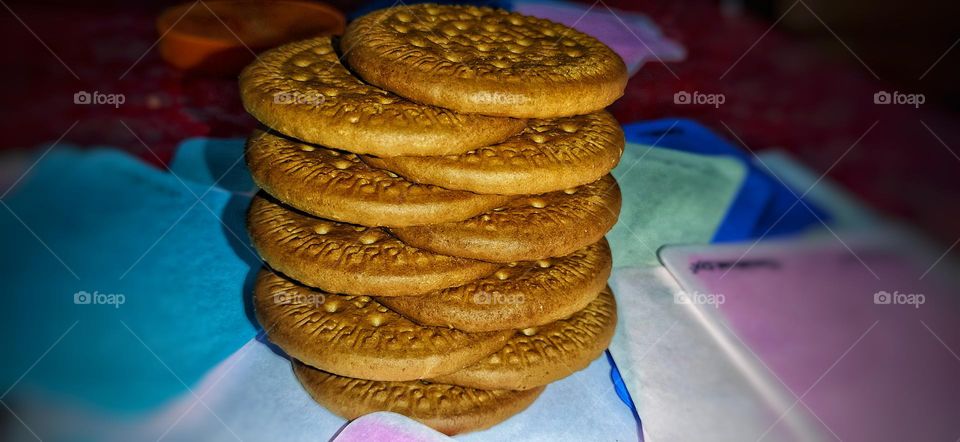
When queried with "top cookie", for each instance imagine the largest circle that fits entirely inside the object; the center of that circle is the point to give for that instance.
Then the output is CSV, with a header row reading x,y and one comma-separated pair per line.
x,y
301,89
483,60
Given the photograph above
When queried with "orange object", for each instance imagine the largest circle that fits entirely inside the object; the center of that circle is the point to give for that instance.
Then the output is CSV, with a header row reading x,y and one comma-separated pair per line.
x,y
221,36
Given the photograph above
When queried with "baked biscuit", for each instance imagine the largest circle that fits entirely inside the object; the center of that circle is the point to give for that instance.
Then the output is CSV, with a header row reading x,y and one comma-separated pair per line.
x,y
301,89
356,336
526,228
485,61
518,295
541,355
338,186
449,409
351,259
549,155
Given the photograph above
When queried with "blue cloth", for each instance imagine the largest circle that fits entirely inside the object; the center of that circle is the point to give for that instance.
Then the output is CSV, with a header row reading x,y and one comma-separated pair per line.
x,y
762,200
621,389
117,227
213,161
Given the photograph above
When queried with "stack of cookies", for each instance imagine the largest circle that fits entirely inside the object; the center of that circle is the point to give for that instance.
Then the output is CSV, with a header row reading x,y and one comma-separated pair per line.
x,y
436,192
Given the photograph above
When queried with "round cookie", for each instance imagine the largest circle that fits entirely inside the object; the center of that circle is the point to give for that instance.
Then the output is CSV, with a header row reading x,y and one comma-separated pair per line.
x,y
339,186
526,228
301,89
356,336
548,155
449,409
518,295
350,259
485,61
539,356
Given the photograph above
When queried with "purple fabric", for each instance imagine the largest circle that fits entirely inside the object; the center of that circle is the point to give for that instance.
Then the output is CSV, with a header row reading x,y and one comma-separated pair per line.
x,y
634,36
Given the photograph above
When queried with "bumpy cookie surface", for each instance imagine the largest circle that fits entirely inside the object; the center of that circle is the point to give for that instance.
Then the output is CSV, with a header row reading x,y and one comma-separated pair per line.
x,y
351,259
538,356
446,408
483,60
301,89
548,155
528,227
356,336
339,186
518,295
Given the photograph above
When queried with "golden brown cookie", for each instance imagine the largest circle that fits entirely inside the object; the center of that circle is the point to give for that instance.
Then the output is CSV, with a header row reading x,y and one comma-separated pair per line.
x,y
518,295
301,89
337,185
541,355
356,336
446,408
526,228
351,259
548,155
483,60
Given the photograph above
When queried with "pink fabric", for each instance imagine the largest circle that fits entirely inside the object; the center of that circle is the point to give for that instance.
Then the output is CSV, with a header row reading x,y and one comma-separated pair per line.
x,y
807,307
635,37
386,426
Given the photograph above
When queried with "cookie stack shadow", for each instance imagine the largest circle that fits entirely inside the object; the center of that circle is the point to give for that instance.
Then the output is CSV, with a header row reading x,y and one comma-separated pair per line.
x,y
435,195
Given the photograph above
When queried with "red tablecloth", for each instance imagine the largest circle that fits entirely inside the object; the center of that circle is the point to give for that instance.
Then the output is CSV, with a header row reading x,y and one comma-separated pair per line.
x,y
781,93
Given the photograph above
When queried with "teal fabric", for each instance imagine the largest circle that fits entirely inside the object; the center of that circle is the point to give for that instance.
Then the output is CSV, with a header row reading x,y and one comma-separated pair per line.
x,y
210,161
669,197
122,228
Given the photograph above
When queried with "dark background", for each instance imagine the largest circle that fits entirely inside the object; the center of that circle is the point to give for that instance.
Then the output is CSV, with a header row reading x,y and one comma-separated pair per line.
x,y
798,75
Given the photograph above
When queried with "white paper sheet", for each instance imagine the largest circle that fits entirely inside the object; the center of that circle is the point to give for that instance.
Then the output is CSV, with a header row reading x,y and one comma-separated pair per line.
x,y
254,396
684,384
259,399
